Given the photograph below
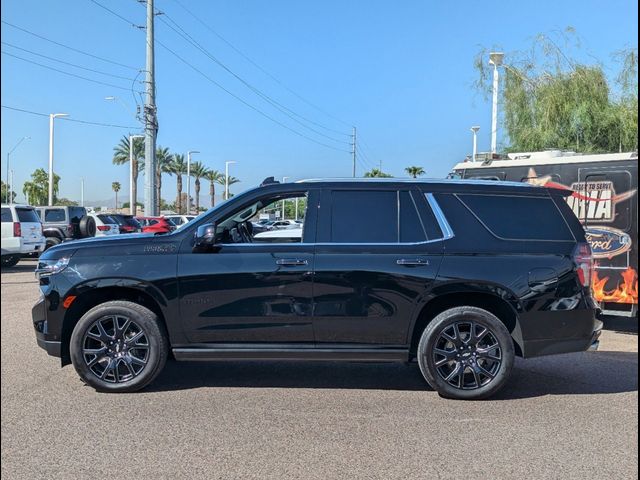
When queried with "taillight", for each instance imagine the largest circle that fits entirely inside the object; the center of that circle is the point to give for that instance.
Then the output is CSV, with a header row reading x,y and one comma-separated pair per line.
x,y
17,229
103,228
584,263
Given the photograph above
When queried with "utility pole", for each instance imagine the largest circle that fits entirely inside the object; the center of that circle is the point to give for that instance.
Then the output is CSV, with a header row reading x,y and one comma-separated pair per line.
x,y
133,202
353,151
495,59
189,179
151,124
475,143
52,117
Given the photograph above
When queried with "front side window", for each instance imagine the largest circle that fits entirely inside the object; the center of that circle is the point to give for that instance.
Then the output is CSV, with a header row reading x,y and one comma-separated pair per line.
x,y
55,215
244,225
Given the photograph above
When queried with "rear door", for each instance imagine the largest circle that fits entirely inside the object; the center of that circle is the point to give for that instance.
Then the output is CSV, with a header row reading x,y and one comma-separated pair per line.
x,y
377,256
30,225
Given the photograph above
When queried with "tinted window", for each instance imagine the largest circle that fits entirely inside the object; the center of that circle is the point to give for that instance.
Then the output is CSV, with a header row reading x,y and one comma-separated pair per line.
x,y
152,222
6,215
27,215
364,216
107,219
76,213
54,215
410,225
519,218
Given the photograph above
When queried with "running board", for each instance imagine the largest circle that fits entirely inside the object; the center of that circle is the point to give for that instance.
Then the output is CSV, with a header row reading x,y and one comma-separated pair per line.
x,y
314,354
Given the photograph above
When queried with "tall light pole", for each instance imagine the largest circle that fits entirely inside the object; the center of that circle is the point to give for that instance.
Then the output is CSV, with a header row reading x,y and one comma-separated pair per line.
x,y
82,191
52,116
495,59
475,143
150,120
189,179
132,202
284,180
7,189
11,183
226,178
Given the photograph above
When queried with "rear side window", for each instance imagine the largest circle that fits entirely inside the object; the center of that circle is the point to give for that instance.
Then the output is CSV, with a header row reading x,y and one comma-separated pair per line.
x,y
107,219
6,215
55,215
27,215
411,230
76,213
519,217
364,216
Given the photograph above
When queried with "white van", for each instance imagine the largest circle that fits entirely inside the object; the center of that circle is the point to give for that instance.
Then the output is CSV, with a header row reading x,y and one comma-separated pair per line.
x,y
21,233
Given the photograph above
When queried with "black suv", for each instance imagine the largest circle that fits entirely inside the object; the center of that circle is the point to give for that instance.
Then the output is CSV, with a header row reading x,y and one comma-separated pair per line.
x,y
60,223
461,276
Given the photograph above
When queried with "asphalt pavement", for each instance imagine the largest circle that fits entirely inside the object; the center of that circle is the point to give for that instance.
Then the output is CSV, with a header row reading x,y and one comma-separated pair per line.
x,y
568,416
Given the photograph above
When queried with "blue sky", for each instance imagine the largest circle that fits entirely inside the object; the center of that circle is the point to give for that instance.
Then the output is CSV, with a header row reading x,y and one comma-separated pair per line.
x,y
400,71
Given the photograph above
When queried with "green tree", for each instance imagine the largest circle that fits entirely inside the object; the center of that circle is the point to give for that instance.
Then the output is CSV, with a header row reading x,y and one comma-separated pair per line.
x,y
121,157
377,173
414,172
178,167
66,202
115,186
37,189
551,100
6,197
214,177
232,180
163,162
198,171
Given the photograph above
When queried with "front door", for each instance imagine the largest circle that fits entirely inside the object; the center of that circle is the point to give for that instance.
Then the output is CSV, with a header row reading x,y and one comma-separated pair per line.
x,y
377,256
255,287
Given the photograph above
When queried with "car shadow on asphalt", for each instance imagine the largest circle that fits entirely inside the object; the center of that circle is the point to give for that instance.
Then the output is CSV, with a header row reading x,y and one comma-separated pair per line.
x,y
571,374
21,268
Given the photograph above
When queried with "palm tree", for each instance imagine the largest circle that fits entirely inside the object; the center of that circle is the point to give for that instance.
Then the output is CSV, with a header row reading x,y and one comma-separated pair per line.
x,y
115,186
414,172
232,180
178,167
121,156
37,189
198,171
214,177
163,162
377,173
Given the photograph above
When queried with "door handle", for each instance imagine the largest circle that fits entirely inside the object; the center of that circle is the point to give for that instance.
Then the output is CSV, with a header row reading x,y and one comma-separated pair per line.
x,y
412,261
291,262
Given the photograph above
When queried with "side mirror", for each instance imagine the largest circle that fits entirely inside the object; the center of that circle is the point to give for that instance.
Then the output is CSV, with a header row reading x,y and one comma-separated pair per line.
x,y
205,237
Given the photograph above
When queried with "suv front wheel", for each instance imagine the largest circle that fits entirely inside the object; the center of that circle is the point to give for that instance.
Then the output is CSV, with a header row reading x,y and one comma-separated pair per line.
x,y
466,353
118,346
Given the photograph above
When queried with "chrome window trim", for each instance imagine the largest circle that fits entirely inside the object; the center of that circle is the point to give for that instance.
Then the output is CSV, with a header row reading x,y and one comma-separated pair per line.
x,y
446,229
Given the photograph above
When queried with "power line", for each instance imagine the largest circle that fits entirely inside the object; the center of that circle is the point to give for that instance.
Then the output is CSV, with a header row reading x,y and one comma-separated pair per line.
x,y
244,102
66,119
252,62
65,73
117,14
66,63
69,48
279,106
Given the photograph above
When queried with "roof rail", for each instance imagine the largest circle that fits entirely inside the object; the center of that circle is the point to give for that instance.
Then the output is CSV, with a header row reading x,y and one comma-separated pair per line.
x,y
269,181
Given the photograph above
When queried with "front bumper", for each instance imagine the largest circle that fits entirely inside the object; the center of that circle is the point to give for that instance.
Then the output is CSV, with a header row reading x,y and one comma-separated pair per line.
x,y
47,341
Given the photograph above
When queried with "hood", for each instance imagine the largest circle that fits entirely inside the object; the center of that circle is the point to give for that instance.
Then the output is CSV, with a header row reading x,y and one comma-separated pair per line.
x,y
119,242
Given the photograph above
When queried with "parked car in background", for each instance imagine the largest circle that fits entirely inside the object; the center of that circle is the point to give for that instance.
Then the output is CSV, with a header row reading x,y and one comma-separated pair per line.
x,y
179,220
105,225
286,235
460,277
21,233
126,223
156,225
60,223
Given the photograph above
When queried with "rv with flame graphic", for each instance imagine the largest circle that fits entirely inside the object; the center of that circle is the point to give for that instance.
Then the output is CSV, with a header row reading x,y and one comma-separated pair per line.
x,y
604,198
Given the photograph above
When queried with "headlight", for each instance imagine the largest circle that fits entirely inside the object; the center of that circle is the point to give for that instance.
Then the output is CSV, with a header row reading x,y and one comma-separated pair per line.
x,y
49,267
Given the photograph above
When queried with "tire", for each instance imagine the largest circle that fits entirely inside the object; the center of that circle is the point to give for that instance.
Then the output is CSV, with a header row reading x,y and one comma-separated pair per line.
x,y
51,242
10,260
464,368
87,226
126,361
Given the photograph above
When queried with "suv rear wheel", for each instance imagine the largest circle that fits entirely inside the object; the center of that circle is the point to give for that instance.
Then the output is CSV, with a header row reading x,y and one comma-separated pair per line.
x,y
466,353
118,346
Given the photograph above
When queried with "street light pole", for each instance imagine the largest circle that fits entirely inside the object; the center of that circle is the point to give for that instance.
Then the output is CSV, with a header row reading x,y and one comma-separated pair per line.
x,y
11,187
82,191
189,179
226,178
495,59
52,116
132,202
475,143
7,189
284,180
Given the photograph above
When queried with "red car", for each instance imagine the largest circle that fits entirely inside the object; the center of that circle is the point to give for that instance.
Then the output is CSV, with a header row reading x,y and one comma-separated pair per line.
x,y
155,225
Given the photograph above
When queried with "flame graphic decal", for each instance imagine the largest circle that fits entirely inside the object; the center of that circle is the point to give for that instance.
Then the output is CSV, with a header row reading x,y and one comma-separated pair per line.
x,y
625,292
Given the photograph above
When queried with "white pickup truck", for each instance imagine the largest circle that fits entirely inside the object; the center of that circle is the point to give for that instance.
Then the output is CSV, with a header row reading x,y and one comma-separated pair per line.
x,y
21,233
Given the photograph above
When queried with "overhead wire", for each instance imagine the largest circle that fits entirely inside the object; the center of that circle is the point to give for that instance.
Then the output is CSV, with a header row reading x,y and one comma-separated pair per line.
x,y
67,119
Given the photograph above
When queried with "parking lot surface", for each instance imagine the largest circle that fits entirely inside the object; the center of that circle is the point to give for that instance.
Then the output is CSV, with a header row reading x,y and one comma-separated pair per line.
x,y
569,416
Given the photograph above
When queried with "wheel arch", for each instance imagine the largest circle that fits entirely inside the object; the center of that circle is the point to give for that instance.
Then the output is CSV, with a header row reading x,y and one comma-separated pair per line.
x,y
88,297
495,300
